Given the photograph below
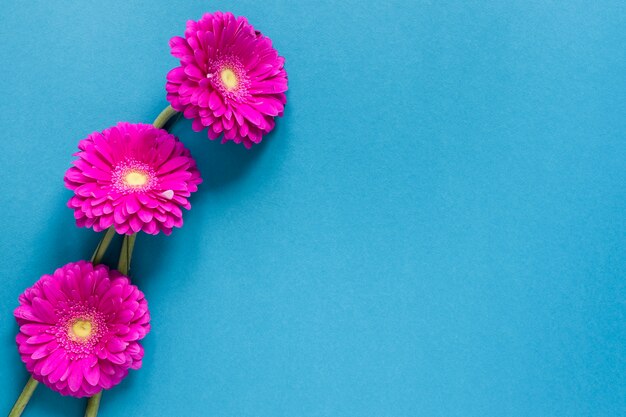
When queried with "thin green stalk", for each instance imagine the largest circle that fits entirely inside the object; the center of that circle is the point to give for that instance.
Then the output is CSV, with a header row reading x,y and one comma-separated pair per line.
x,y
103,246
22,400
128,244
93,403
164,116
126,253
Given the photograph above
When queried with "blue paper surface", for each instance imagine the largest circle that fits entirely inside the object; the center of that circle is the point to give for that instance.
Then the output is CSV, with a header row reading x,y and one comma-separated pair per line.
x,y
435,228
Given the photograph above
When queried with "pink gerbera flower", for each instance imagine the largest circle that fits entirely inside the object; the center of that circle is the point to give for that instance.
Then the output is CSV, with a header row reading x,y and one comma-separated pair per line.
x,y
133,177
230,80
79,328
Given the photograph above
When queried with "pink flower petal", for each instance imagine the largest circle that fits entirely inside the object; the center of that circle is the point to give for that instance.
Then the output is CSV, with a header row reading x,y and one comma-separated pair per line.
x,y
64,357
219,42
92,374
118,174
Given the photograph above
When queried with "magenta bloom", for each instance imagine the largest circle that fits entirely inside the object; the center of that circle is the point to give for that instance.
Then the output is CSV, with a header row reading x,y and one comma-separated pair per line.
x,y
80,327
230,78
133,177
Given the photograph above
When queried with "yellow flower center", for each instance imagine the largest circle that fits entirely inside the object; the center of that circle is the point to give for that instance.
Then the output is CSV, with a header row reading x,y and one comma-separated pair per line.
x,y
135,178
81,329
229,79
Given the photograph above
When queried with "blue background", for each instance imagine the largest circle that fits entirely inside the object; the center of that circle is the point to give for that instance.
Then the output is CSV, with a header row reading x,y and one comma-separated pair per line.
x,y
435,228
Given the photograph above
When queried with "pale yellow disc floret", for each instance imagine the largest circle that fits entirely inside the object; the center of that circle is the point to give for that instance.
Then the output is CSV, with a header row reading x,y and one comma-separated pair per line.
x,y
81,329
135,179
229,79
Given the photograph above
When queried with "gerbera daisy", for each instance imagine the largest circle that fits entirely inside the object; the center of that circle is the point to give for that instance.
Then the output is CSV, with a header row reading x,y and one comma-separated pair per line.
x,y
80,327
230,78
133,177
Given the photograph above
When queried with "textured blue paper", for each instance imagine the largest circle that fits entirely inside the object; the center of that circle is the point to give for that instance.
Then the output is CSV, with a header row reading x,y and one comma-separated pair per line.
x,y
435,228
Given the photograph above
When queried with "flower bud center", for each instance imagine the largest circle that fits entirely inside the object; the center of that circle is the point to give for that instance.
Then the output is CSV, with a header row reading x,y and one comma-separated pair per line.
x,y
81,329
229,79
135,178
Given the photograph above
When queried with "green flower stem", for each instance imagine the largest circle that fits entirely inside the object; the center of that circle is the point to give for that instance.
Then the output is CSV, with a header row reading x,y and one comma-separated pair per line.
x,y
128,244
93,403
126,253
164,116
103,246
22,400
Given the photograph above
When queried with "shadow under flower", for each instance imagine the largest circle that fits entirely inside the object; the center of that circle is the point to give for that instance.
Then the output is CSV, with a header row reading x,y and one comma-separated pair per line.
x,y
220,164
